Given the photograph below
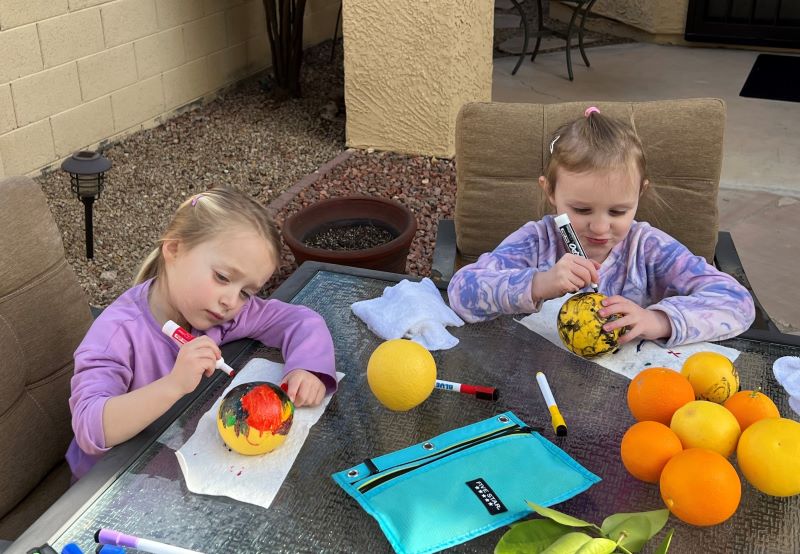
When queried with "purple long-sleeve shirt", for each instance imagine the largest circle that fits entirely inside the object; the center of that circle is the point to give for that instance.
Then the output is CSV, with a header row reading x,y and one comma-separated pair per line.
x,y
649,268
125,350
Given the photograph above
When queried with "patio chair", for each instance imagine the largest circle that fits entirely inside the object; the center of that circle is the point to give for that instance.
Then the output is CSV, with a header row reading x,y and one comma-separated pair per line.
x,y
43,317
501,149
580,10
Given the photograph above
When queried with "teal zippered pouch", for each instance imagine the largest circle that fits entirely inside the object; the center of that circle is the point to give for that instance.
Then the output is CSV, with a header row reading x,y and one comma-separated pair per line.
x,y
463,483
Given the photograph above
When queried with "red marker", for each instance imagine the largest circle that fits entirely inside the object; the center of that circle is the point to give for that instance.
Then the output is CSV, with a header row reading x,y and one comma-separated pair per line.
x,y
484,393
182,336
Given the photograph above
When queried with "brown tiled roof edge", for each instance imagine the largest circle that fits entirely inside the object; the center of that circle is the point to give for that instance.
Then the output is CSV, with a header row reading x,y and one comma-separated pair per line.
x,y
286,196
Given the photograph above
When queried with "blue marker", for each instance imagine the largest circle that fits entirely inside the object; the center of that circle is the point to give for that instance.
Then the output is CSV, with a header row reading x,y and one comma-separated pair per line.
x,y
110,549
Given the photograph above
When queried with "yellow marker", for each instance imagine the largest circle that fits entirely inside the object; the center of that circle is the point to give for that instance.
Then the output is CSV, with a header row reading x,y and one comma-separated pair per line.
x,y
559,425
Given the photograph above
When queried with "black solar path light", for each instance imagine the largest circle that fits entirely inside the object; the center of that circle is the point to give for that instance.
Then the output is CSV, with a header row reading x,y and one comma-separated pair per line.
x,y
87,174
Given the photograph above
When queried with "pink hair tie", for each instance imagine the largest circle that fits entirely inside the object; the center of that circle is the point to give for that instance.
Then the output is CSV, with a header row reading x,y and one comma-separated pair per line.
x,y
590,110
196,198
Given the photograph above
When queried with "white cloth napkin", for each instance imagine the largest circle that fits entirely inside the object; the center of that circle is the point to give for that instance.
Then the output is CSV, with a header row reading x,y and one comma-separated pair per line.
x,y
787,373
210,468
410,310
631,358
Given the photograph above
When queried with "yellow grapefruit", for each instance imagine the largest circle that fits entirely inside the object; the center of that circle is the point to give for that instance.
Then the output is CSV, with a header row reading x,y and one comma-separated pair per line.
x,y
401,374
703,424
769,456
712,376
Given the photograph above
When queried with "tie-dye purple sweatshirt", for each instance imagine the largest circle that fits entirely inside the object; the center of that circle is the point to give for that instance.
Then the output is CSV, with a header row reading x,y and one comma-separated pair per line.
x,y
649,267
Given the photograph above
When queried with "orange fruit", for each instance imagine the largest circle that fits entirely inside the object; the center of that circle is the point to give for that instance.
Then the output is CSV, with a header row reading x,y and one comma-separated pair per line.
x,y
656,392
401,374
748,406
646,447
769,456
712,376
704,424
700,487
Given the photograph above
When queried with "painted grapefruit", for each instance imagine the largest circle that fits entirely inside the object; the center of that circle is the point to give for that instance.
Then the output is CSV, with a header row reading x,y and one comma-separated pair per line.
x,y
581,327
254,418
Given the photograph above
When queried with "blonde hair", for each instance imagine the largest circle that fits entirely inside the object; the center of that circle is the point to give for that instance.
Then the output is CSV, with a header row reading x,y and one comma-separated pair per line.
x,y
206,215
595,142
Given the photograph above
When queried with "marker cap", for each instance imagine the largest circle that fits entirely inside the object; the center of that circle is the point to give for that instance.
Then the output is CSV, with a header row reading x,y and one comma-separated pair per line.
x,y
170,327
559,425
562,220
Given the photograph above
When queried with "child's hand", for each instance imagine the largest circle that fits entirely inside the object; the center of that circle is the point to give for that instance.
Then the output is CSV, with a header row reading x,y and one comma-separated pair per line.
x,y
570,274
303,387
641,323
195,359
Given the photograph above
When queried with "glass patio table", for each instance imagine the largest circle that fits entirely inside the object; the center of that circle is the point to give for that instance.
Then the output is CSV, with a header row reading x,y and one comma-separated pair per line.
x,y
139,489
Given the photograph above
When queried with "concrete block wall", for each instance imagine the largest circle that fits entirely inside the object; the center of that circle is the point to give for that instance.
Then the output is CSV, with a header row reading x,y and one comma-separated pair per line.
x,y
76,73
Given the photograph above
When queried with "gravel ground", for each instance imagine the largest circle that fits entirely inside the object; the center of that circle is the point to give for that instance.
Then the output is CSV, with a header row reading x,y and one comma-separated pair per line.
x,y
244,140
247,140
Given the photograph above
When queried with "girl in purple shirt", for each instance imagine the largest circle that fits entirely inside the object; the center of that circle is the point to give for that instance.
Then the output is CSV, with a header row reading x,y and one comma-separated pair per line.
x,y
596,175
218,251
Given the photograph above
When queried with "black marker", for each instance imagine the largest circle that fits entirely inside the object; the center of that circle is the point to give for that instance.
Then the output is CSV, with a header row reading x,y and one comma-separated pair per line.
x,y
571,239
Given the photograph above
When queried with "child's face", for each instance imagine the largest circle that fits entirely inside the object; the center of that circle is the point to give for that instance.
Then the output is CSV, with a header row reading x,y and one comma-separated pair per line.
x,y
209,283
600,205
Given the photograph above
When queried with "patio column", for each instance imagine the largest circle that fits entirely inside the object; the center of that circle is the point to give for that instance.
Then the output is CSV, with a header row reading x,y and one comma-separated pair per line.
x,y
409,65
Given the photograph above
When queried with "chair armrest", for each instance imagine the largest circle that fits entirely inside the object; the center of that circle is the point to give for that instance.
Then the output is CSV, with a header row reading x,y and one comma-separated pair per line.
x,y
444,252
726,258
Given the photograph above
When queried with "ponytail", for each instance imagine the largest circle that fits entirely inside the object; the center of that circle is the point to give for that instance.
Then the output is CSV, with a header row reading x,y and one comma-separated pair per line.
x,y
151,266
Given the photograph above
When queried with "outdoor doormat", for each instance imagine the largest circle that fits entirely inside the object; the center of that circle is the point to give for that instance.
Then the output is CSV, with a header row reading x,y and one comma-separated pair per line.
x,y
774,78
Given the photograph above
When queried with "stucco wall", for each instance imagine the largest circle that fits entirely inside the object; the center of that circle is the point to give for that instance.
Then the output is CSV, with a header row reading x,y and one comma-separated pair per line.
x,y
409,66
662,20
653,16
76,73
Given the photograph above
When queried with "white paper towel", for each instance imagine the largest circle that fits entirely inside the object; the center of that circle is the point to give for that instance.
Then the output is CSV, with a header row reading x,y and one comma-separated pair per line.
x,y
787,373
410,310
631,358
210,468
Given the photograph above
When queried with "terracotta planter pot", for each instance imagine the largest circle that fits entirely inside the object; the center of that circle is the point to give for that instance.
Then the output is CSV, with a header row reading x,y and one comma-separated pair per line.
x,y
348,210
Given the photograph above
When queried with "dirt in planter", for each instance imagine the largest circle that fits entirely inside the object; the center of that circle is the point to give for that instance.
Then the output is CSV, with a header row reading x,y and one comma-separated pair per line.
x,y
358,236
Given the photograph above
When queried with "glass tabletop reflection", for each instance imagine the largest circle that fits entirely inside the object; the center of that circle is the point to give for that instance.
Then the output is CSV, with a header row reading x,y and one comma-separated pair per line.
x,y
311,514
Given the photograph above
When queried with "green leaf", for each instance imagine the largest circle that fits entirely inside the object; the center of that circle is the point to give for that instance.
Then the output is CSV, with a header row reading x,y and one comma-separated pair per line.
x,y
598,546
664,546
530,536
635,528
561,518
657,519
568,544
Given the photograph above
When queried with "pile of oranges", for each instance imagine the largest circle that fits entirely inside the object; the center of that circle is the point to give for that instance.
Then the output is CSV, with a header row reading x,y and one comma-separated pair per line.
x,y
690,423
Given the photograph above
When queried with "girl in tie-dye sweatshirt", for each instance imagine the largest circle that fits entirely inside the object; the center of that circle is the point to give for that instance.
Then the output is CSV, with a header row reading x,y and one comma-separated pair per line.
x,y
596,175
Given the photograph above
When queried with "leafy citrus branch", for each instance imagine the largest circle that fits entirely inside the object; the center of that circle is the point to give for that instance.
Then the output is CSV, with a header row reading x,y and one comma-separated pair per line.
x,y
557,534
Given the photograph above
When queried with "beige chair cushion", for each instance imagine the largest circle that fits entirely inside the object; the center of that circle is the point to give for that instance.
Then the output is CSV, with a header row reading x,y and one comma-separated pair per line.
x,y
501,150
43,317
